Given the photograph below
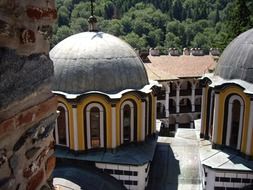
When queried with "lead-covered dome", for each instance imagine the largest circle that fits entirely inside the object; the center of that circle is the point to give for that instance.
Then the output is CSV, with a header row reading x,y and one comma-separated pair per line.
x,y
236,62
96,61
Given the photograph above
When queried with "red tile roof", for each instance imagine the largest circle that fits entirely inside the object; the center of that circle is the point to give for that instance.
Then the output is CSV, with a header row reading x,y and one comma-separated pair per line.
x,y
166,67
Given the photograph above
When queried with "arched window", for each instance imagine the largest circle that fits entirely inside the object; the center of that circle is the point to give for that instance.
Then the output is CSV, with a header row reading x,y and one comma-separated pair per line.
x,y
234,122
61,130
127,122
95,125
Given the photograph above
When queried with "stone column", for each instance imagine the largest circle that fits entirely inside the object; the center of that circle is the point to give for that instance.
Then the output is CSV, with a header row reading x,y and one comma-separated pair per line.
x,y
113,126
203,111
177,99
216,118
27,105
167,87
75,127
250,129
143,107
193,97
155,111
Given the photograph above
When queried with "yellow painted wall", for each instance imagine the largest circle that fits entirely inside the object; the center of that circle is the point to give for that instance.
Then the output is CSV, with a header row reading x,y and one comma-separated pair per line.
x,y
96,98
223,95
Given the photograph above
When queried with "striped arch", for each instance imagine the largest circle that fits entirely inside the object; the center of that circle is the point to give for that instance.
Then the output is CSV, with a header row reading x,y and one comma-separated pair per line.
x,y
127,122
95,142
62,126
231,115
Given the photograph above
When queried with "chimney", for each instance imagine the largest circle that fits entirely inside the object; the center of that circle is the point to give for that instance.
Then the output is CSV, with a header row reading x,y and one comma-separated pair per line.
x,y
154,52
186,51
197,52
173,52
214,52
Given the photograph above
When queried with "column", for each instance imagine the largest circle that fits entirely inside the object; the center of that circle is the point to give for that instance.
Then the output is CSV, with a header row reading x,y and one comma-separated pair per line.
x,y
216,118
143,107
167,87
113,126
193,98
177,99
250,129
74,108
176,126
203,110
155,116
192,124
147,121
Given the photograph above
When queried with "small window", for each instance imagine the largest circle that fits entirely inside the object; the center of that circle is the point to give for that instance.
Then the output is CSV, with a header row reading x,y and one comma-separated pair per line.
x,y
128,182
135,182
109,171
127,172
118,172
246,180
224,179
236,180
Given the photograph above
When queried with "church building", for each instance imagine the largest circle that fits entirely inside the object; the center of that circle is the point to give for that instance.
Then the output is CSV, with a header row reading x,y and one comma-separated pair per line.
x,y
227,118
106,105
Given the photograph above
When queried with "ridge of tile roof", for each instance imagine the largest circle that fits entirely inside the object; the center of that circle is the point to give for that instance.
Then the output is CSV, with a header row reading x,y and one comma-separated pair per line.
x,y
167,67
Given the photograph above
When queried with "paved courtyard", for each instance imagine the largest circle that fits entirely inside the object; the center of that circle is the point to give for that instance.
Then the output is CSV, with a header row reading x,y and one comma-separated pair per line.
x,y
176,165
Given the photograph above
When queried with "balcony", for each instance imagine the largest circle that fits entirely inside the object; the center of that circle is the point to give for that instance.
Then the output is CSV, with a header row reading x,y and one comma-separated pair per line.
x,y
186,92
161,115
172,109
197,108
185,109
198,91
161,96
173,93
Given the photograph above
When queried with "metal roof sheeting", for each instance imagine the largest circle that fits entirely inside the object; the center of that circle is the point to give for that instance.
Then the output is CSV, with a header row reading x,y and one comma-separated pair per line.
x,y
96,61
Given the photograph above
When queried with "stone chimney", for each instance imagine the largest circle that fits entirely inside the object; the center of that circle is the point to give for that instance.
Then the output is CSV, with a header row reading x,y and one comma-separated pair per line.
x,y
27,105
197,52
214,52
154,52
186,51
173,52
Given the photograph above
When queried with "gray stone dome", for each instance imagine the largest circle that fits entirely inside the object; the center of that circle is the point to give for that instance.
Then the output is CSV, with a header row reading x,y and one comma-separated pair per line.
x,y
96,61
236,62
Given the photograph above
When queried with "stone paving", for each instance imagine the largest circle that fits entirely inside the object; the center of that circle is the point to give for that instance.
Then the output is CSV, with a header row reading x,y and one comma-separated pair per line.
x,y
176,165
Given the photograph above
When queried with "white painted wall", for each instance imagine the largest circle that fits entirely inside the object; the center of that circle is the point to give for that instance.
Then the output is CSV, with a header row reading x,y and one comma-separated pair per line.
x,y
142,174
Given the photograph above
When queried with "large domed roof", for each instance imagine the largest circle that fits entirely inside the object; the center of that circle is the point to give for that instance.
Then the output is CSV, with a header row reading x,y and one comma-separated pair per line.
x,y
236,62
96,61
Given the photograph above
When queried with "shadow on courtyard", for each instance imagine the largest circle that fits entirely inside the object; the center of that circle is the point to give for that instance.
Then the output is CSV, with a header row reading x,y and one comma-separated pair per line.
x,y
164,169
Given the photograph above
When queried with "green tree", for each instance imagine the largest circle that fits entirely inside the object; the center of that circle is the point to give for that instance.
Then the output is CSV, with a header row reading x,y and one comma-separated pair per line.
x,y
63,16
238,18
135,41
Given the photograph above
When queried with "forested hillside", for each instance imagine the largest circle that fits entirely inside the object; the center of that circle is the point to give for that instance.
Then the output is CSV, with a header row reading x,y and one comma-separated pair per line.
x,y
159,23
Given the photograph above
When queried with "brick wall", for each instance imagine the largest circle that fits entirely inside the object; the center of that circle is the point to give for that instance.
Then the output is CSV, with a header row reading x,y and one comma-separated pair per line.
x,y
27,106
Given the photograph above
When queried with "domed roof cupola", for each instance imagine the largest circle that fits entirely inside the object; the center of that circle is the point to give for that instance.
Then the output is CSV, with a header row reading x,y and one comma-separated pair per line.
x,y
96,61
236,62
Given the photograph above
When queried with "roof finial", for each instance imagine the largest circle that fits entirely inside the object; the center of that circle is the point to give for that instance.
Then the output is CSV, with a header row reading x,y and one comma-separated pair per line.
x,y
92,20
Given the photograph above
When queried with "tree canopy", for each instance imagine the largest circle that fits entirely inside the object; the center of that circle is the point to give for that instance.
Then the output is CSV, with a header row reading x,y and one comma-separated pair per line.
x,y
154,23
